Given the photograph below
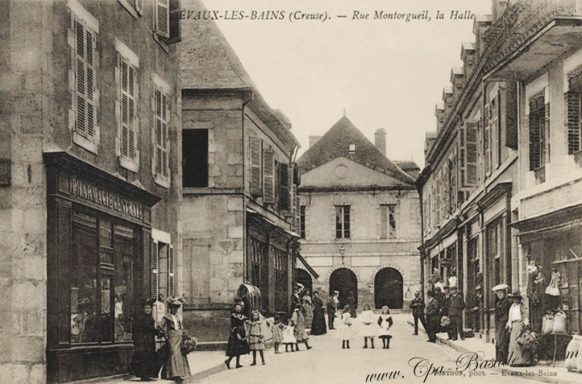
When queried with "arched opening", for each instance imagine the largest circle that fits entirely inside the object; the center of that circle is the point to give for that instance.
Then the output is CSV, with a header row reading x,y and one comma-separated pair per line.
x,y
344,281
303,277
388,289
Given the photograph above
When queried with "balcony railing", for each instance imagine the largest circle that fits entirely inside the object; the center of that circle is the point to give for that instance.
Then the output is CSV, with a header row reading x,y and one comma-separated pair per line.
x,y
521,21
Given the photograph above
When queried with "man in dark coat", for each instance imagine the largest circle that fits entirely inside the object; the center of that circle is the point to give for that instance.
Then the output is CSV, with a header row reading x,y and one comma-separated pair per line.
x,y
417,306
501,316
456,304
331,309
433,317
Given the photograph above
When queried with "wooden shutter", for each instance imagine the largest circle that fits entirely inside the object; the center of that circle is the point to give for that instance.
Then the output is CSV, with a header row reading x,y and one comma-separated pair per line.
x,y
171,272
284,195
165,136
470,179
175,32
85,61
572,102
511,139
128,109
487,138
256,169
155,281
536,106
163,18
268,176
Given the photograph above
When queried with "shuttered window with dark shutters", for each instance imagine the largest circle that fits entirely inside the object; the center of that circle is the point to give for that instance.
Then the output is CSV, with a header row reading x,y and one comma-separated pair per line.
x,y
268,176
85,78
284,187
256,166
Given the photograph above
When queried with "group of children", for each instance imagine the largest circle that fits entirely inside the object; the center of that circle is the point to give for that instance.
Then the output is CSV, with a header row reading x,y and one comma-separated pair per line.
x,y
370,327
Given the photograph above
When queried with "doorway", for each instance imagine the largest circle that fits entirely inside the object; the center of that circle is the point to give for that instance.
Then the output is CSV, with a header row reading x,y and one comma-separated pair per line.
x,y
344,281
388,287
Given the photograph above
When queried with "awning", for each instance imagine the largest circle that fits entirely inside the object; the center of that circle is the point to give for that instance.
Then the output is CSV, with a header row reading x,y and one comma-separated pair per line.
x,y
307,266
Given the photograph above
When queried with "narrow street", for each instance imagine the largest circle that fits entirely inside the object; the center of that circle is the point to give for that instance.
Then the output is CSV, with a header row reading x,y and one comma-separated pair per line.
x,y
328,363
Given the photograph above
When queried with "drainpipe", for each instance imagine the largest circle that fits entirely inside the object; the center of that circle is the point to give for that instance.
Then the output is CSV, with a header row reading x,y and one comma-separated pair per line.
x,y
244,195
419,190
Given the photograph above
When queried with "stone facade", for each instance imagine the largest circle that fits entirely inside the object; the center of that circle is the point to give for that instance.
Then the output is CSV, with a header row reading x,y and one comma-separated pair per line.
x,y
37,120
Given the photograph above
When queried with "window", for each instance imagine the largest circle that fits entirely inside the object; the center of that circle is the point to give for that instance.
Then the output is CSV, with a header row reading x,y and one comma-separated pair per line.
x,y
102,286
573,102
342,221
162,269
488,123
195,157
256,152
538,124
85,96
283,187
161,141
302,221
269,176
388,221
352,148
167,20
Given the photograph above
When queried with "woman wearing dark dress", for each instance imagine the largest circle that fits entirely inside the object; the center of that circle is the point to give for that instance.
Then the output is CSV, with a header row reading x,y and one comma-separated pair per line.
x,y
237,341
144,362
318,324
352,303
176,365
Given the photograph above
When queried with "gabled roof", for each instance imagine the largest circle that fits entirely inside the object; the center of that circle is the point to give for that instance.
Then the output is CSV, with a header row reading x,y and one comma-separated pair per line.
x,y
336,143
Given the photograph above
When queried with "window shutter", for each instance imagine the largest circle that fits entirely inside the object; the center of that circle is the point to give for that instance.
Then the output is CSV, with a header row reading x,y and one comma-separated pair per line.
x,y
124,108
171,271
462,148
383,221
470,179
284,187
165,136
534,137
269,176
81,126
572,102
155,268
487,138
256,152
511,139
163,18
175,32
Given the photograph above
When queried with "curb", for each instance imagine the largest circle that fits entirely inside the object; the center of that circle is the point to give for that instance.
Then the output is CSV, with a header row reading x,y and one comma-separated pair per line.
x,y
204,374
542,379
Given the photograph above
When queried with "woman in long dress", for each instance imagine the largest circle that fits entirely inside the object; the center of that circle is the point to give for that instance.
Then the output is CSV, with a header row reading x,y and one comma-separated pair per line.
x,y
318,326
384,324
176,365
516,322
144,360
307,309
368,327
300,332
237,341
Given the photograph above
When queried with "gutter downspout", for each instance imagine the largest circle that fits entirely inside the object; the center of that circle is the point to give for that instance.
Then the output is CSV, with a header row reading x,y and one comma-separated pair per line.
x,y
244,195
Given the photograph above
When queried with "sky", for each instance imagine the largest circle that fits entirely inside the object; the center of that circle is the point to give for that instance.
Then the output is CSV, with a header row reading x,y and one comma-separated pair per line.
x,y
384,73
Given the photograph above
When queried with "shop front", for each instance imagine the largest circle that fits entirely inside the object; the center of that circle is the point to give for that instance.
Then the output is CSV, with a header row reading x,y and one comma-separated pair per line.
x,y
99,229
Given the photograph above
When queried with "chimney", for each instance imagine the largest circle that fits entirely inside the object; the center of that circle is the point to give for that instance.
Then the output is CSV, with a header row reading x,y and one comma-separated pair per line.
x,y
380,137
313,140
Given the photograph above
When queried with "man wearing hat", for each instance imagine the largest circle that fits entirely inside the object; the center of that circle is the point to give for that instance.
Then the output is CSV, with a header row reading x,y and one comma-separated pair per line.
x,y
501,315
433,317
332,303
456,304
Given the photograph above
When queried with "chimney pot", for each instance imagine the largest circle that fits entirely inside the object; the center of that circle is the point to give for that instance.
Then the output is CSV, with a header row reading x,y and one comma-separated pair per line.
x,y
380,140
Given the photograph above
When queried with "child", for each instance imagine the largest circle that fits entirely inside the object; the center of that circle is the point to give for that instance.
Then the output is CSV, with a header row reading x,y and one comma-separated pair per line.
x,y
299,323
288,336
256,337
369,328
385,322
277,330
345,331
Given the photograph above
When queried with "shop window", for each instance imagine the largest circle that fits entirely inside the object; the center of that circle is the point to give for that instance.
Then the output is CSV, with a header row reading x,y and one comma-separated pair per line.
x,y
102,285
342,222
195,157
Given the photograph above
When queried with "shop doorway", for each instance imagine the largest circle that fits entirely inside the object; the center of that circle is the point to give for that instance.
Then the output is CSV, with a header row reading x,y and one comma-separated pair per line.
x,y
344,281
388,289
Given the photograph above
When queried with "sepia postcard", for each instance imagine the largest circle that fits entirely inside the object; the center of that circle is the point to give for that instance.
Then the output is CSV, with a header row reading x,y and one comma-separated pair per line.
x,y
291,191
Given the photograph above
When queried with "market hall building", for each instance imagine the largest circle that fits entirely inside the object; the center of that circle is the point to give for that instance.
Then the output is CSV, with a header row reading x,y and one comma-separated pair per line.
x,y
359,219
89,184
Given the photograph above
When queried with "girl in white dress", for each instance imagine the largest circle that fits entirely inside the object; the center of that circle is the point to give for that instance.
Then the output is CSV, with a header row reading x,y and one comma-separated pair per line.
x,y
385,323
289,339
368,327
346,329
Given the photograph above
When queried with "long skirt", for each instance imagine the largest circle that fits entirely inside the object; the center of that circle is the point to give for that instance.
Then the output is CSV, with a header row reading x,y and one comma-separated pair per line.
x,y
236,347
176,364
501,343
144,364
516,356
308,314
318,326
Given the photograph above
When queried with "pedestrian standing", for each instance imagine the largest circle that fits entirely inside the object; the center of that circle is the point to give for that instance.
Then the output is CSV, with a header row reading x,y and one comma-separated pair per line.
x,y
346,329
352,303
417,306
318,325
385,323
516,323
277,330
144,360
237,341
176,365
368,328
300,332
256,337
433,317
501,316
332,304
456,306
289,336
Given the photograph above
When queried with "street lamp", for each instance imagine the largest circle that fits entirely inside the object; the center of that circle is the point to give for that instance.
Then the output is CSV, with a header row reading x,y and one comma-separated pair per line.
x,y
342,251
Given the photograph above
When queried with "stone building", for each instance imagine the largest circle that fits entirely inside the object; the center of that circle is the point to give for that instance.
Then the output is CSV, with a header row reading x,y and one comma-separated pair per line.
x,y
89,181
359,219
239,180
509,202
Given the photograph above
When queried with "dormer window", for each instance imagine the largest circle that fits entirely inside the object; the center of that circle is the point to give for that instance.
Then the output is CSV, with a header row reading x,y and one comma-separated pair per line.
x,y
352,148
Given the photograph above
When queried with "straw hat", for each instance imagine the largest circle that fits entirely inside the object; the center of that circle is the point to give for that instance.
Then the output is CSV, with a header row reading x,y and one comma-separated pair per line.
x,y
500,287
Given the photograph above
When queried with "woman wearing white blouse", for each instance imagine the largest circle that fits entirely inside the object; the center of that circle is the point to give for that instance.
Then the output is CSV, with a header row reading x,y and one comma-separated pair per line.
x,y
517,320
